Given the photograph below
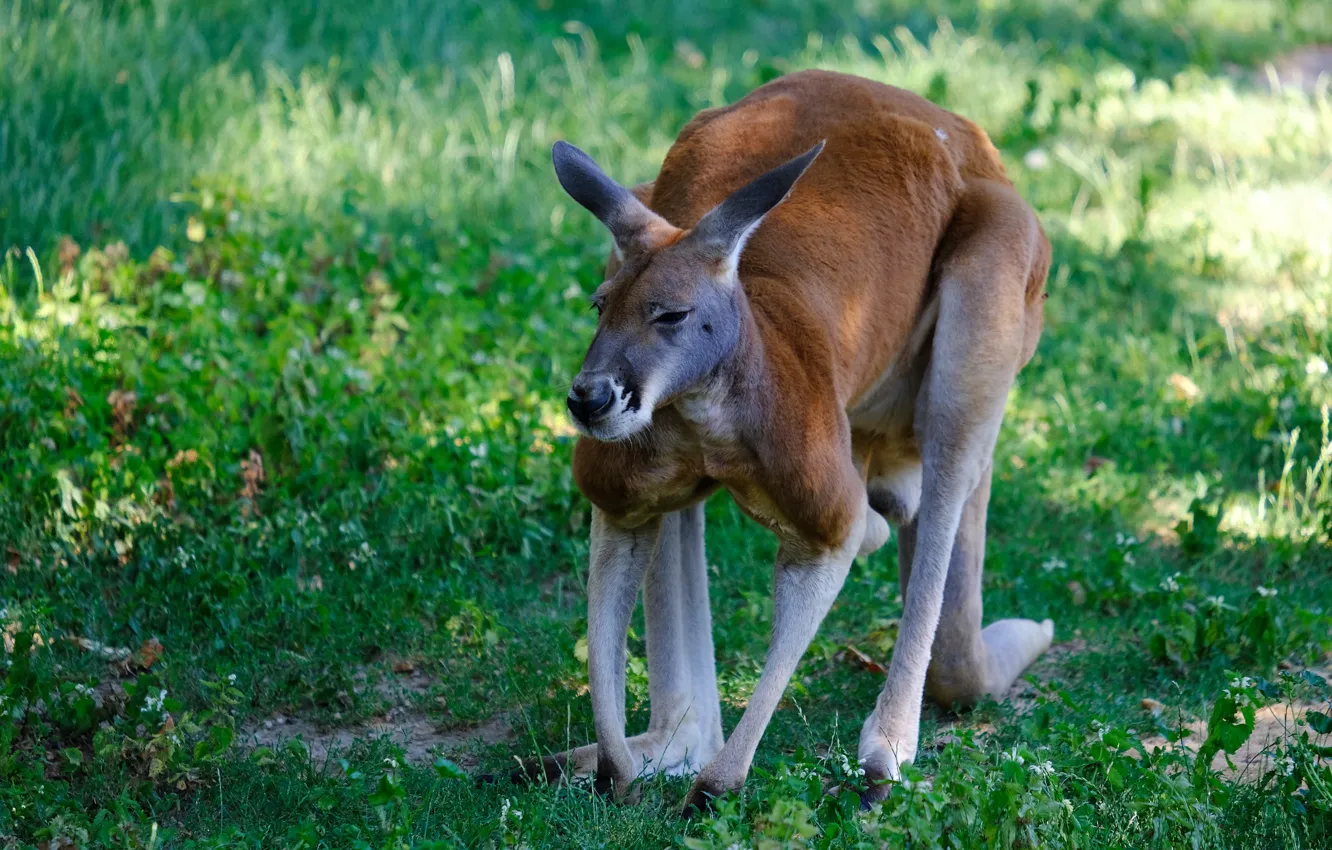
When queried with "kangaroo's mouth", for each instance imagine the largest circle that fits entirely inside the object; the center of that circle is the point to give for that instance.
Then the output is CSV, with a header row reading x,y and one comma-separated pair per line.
x,y
606,409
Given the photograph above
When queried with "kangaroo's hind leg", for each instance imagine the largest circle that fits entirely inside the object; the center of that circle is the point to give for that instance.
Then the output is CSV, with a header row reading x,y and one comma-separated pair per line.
x,y
968,662
984,333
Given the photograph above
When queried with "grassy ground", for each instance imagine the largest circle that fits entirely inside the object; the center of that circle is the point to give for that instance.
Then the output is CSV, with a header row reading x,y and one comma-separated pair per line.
x,y
281,388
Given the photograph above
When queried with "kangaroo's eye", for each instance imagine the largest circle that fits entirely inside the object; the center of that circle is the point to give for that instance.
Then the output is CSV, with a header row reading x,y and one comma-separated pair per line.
x,y
674,318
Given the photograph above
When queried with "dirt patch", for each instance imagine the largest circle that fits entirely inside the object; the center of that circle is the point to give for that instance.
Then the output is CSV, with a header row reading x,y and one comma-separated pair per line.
x,y
408,685
420,738
1273,725
405,724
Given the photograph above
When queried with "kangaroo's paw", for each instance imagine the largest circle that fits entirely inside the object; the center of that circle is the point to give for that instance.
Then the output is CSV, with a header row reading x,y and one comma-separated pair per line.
x,y
882,769
676,753
1012,646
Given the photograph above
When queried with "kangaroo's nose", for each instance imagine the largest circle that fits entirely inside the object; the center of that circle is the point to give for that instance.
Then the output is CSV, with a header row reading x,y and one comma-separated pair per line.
x,y
590,397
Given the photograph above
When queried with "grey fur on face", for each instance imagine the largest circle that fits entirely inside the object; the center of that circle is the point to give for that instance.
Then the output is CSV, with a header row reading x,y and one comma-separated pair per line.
x,y
671,315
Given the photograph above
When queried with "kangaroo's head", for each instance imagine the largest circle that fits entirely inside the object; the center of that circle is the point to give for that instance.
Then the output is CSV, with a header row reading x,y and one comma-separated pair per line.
x,y
672,312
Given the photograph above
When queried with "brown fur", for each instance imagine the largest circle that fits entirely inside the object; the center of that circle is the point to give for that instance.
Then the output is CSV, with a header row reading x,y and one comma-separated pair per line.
x,y
836,279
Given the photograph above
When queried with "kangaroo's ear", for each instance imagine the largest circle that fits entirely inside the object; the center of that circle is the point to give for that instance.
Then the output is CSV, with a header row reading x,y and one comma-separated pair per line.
x,y
727,226
631,224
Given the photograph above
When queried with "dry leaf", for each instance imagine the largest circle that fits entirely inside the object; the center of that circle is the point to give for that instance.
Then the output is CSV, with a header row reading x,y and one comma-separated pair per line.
x,y
497,263
183,457
1185,388
252,477
10,632
122,411
73,401
1079,595
149,654
68,251
863,661
1093,463
165,494
110,653
401,667
1149,704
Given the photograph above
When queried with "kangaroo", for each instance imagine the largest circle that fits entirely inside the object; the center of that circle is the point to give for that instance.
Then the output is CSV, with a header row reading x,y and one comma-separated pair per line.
x,y
819,306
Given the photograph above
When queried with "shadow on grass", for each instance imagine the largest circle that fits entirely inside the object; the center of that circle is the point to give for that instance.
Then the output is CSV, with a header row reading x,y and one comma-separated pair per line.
x,y
110,107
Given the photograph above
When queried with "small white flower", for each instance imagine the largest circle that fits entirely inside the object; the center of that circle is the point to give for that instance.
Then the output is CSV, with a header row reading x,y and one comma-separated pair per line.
x,y
231,679
1128,558
1266,592
1052,563
1216,601
1315,367
1169,584
1286,766
1045,768
1013,755
155,703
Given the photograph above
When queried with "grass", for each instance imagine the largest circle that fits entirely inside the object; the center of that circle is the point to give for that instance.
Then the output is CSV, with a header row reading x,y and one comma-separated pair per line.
x,y
284,336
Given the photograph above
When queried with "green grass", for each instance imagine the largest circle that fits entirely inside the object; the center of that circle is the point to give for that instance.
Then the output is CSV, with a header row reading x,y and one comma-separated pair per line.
x,y
324,241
